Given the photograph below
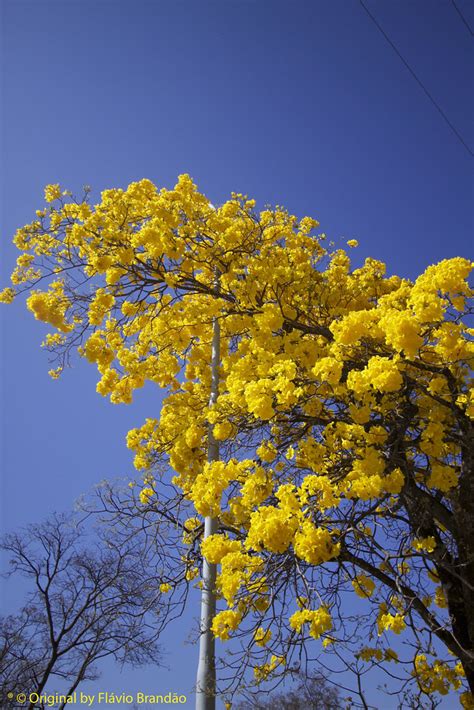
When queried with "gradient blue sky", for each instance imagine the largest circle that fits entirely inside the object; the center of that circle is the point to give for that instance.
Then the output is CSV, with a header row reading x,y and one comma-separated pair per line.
x,y
297,103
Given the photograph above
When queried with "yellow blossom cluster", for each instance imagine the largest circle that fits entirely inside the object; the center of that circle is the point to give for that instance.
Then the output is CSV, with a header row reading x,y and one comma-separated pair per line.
x,y
390,622
437,677
224,623
262,636
51,306
314,544
363,586
190,530
263,671
425,543
145,495
319,621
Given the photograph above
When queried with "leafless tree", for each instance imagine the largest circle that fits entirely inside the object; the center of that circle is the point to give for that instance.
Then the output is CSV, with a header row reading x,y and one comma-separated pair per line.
x,y
91,597
309,693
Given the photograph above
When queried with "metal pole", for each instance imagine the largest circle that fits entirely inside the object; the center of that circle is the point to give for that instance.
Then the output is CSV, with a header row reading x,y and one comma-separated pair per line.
x,y
206,673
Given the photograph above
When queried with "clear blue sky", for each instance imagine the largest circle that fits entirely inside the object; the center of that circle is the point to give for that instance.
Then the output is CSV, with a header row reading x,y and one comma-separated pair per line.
x,y
297,103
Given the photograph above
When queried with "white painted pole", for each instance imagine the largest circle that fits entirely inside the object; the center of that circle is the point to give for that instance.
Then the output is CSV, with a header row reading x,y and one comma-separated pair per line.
x,y
206,673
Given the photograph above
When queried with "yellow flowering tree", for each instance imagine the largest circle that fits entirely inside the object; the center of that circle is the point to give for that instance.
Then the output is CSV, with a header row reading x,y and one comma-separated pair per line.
x,y
344,417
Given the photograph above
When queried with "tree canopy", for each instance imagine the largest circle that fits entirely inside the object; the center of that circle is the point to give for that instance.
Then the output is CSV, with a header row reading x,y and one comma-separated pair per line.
x,y
344,418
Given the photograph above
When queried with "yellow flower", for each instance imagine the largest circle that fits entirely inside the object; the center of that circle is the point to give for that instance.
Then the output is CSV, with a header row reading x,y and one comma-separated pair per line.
x,y
424,544
145,495
191,573
467,701
266,451
7,295
363,586
319,621
369,654
222,430
52,192
215,547
442,477
391,622
224,623
262,636
440,598
315,545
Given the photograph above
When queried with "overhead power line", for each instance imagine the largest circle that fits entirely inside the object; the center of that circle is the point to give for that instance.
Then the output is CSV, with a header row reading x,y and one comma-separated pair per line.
x,y
419,82
463,18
